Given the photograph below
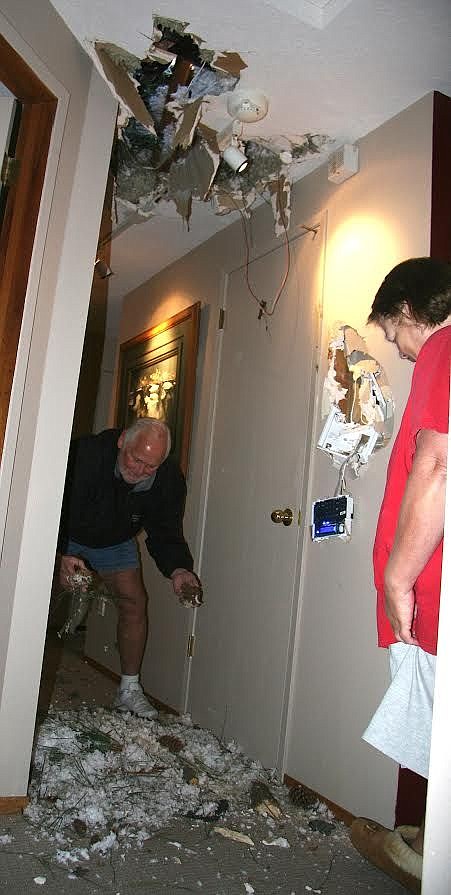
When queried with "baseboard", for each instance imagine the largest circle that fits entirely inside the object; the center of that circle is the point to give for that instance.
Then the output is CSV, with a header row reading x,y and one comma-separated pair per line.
x,y
13,804
113,676
338,812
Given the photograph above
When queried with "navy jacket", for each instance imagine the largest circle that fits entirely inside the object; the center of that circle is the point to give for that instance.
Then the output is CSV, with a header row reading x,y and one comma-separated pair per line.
x,y
100,509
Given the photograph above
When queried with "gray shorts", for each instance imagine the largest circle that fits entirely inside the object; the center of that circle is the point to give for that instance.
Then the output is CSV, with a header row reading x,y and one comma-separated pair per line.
x,y
107,559
401,726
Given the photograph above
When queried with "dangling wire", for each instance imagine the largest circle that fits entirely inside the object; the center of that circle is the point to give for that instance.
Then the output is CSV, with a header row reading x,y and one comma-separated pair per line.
x,y
261,302
287,244
341,484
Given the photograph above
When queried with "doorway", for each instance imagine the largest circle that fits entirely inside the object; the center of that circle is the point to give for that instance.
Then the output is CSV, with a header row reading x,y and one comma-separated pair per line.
x,y
23,171
250,569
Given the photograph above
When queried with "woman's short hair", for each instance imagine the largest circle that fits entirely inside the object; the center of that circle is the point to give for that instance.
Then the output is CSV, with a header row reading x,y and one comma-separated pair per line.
x,y
422,285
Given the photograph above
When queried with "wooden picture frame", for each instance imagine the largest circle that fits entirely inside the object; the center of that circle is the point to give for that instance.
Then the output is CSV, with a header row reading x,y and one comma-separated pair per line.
x,y
157,377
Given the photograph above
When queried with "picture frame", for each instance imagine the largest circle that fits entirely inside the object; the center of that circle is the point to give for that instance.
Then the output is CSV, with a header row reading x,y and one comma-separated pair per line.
x,y
157,378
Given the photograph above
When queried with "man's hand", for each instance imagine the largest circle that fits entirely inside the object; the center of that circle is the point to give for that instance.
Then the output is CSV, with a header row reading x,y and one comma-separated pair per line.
x,y
70,566
400,609
187,587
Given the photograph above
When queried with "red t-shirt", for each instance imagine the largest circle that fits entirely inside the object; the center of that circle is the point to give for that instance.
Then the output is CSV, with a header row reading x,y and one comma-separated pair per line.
x,y
427,408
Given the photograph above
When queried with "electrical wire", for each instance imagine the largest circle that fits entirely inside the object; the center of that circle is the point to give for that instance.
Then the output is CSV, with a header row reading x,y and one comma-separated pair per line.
x,y
287,244
263,304
341,484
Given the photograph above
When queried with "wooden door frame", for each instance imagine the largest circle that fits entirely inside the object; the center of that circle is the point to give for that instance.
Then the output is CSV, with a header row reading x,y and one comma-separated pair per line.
x,y
22,208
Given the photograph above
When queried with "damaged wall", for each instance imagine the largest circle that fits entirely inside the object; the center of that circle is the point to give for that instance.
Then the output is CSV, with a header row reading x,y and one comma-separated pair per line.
x,y
376,219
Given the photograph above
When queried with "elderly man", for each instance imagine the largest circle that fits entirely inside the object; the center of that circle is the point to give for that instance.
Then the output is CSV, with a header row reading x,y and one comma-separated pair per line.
x,y
413,307
118,483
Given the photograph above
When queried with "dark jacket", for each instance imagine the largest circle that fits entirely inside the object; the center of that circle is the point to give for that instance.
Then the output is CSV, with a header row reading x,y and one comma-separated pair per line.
x,y
100,509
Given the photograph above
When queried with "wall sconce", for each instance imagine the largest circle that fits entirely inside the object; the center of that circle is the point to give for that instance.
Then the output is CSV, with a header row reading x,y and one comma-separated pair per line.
x,y
102,270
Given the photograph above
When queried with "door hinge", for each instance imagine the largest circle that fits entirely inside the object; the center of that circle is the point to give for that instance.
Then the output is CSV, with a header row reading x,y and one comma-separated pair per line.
x,y
10,170
190,646
221,318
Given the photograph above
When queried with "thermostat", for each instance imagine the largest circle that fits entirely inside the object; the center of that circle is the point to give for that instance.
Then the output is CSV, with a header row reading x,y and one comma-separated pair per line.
x,y
332,517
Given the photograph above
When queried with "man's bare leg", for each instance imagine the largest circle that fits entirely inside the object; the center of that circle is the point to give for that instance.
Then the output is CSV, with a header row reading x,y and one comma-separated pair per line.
x,y
132,635
132,617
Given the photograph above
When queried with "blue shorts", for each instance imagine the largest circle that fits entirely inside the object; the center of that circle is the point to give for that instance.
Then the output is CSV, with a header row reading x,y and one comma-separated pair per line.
x,y
107,559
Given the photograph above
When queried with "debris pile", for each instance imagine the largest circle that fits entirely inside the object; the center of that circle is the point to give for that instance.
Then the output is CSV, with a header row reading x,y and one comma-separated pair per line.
x,y
102,781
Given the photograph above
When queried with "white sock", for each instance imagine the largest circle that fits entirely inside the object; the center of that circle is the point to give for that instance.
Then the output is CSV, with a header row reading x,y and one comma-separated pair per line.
x,y
128,679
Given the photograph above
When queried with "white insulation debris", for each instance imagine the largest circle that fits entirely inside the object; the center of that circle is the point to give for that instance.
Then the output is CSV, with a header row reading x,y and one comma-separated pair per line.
x,y
101,780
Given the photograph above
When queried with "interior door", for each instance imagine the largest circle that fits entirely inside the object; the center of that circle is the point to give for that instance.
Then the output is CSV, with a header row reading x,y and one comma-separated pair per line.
x,y
242,656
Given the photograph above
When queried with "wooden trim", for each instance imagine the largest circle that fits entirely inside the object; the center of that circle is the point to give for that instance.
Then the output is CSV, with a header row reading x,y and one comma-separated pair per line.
x,y
22,208
102,668
161,706
339,813
19,78
441,180
13,804
180,317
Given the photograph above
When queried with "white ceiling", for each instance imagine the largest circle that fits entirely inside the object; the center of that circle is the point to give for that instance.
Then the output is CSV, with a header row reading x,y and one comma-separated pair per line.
x,y
337,67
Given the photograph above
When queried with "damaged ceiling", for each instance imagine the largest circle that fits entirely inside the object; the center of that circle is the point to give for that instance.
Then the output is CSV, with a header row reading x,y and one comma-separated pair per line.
x,y
332,71
164,150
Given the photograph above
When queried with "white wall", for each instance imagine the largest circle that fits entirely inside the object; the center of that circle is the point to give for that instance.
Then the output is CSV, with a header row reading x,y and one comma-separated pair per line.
x,y
48,358
376,219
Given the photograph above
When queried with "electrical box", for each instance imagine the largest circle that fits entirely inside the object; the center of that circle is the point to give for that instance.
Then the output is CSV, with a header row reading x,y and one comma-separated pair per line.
x,y
332,518
343,163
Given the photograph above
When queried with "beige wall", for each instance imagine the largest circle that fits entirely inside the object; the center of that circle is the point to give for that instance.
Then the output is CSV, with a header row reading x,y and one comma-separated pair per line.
x,y
377,218
48,359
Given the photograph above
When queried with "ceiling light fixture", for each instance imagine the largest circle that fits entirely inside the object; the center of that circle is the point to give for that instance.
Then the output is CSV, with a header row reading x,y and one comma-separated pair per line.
x,y
235,158
244,106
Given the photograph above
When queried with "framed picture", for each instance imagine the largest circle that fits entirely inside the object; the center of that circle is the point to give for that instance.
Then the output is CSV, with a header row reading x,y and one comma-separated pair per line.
x,y
157,372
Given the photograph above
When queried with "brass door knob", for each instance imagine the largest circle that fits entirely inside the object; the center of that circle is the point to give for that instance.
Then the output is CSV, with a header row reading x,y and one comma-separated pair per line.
x,y
285,516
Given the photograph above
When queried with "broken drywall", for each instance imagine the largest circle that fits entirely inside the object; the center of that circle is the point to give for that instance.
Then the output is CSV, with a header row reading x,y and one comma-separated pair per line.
x,y
357,401
164,149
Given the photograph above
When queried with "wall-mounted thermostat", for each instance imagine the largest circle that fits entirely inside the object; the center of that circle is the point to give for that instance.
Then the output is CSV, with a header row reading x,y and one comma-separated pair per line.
x,y
332,517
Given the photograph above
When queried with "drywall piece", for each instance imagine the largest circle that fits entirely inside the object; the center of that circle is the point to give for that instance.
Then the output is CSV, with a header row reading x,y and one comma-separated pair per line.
x,y
280,192
232,63
357,401
225,202
160,23
120,56
124,87
209,135
192,175
187,118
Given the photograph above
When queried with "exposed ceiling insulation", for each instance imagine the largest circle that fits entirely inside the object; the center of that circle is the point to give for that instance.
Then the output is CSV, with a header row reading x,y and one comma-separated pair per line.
x,y
330,67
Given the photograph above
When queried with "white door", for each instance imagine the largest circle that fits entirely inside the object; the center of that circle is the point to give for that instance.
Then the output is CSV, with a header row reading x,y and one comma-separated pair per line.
x,y
242,654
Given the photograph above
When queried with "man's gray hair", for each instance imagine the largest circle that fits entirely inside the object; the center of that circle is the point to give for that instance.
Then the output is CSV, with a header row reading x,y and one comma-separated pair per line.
x,y
151,426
